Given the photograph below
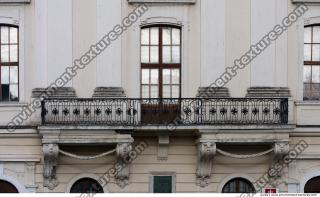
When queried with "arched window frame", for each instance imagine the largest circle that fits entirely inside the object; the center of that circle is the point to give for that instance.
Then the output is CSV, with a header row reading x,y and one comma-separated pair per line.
x,y
311,70
237,182
10,64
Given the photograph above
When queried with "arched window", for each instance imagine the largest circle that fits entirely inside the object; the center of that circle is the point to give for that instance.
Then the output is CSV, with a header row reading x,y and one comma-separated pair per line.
x,y
313,185
160,69
9,63
311,74
6,187
86,185
238,185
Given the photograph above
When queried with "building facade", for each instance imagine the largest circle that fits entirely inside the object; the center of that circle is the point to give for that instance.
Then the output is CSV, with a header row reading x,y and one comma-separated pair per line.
x,y
160,96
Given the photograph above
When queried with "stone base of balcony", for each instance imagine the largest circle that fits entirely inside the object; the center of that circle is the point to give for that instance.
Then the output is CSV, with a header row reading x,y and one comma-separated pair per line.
x,y
63,92
109,92
268,92
213,92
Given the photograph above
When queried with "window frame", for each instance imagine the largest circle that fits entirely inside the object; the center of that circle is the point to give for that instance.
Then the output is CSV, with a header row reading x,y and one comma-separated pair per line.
x,y
237,181
11,64
160,66
154,174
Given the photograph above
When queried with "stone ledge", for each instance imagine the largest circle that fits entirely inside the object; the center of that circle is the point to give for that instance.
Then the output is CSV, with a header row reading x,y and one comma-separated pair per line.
x,y
109,92
163,1
15,1
305,1
213,92
268,92
64,92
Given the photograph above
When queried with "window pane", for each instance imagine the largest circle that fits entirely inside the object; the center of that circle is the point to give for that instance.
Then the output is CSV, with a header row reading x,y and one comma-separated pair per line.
x,y
14,93
307,74
175,54
162,184
145,91
13,53
166,54
175,76
307,52
13,35
154,76
5,53
154,56
14,74
145,76
144,54
175,36
307,35
316,34
166,76
166,91
166,36
4,35
315,74
5,92
155,35
4,75
175,91
154,92
145,36
316,52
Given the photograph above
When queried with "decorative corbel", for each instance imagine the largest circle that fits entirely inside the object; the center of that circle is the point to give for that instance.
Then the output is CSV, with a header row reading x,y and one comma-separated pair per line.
x,y
280,149
206,153
124,161
51,155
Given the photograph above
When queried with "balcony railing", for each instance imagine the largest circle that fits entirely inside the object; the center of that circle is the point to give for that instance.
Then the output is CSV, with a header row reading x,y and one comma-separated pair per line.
x,y
139,112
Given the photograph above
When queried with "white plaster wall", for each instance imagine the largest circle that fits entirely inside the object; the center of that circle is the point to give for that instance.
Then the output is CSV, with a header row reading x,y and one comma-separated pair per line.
x,y
59,37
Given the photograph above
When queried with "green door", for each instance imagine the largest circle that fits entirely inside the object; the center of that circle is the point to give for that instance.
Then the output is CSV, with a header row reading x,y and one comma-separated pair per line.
x,y
162,184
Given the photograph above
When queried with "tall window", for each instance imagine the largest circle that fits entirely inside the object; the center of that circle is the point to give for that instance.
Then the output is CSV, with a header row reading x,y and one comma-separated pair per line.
x,y
160,62
238,185
311,74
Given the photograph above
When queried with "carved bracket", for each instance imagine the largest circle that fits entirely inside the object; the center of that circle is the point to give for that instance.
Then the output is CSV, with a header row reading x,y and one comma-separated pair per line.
x,y
51,155
280,150
123,160
206,153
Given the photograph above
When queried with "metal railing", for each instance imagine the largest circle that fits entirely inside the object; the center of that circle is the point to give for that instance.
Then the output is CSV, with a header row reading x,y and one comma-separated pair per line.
x,y
183,111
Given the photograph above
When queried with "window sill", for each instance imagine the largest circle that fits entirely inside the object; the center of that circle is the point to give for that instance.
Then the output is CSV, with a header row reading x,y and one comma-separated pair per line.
x,y
12,104
15,1
308,103
164,1
305,1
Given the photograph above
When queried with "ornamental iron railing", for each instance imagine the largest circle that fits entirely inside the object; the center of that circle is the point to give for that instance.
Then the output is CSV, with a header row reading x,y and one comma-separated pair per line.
x,y
183,111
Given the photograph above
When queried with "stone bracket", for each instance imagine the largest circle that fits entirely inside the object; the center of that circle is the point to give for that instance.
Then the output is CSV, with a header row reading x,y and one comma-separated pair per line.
x,y
51,156
280,149
163,147
123,160
206,153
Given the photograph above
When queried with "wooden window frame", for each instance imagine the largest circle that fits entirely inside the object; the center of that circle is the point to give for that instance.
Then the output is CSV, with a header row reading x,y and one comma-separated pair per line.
x,y
237,182
9,63
160,65
153,174
311,63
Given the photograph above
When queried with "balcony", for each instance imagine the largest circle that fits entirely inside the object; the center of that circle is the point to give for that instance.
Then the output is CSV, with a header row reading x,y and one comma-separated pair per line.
x,y
159,112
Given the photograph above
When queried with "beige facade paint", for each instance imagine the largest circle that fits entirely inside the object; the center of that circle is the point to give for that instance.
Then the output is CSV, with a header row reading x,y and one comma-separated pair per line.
x,y
53,33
